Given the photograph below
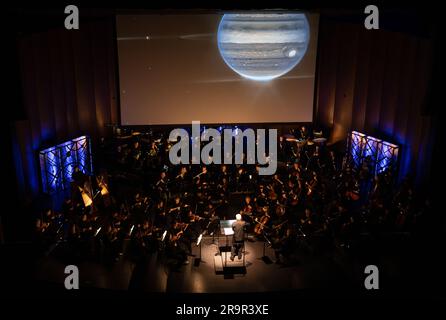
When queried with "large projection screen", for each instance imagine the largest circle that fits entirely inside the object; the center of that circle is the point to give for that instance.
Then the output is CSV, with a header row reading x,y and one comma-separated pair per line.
x,y
171,71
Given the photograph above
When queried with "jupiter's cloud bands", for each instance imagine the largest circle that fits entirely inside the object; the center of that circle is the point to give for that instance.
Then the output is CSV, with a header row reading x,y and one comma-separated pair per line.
x,y
263,46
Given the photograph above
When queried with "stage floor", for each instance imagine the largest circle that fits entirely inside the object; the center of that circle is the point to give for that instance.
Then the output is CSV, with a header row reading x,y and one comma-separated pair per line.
x,y
152,275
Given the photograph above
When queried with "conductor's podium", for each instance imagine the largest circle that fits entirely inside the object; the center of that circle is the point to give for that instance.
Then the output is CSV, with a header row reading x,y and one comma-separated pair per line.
x,y
222,260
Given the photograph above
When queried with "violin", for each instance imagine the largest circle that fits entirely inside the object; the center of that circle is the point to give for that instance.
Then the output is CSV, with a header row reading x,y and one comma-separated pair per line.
x,y
179,234
194,217
352,195
278,227
311,186
247,209
175,209
294,198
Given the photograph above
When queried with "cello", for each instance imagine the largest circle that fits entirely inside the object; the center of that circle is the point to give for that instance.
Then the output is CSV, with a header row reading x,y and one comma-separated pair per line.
x,y
261,224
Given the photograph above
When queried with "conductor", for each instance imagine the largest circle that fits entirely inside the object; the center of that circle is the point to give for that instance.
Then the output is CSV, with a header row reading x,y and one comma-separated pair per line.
x,y
239,237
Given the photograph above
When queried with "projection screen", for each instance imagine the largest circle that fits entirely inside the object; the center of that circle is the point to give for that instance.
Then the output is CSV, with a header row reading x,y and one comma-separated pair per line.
x,y
174,69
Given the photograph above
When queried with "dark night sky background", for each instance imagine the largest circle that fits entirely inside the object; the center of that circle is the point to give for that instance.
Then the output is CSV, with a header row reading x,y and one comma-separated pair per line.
x,y
178,75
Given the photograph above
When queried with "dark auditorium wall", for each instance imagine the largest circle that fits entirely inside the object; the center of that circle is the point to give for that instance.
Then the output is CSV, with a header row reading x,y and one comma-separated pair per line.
x,y
377,82
69,89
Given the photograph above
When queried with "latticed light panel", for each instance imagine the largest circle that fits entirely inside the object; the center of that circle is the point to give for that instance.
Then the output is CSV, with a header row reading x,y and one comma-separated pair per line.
x,y
58,163
380,154
50,165
356,146
82,149
387,157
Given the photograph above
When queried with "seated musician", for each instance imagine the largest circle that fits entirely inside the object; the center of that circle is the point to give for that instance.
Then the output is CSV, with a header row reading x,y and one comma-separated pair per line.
x,y
179,244
181,183
202,177
161,186
242,179
195,225
307,223
213,224
158,214
176,207
303,133
261,199
238,237
247,206
281,154
283,241
223,174
153,152
222,193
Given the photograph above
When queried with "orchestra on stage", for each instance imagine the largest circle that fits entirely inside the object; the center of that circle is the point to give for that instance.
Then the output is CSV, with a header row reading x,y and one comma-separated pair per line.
x,y
140,204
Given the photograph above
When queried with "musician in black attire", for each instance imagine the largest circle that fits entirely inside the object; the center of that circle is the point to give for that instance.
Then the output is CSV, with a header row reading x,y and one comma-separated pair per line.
x,y
175,212
238,237
283,243
181,181
303,133
282,150
160,219
179,245
161,186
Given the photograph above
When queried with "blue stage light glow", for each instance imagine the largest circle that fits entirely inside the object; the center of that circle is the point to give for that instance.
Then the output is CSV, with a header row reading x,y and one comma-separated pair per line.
x,y
381,154
57,163
387,156
356,143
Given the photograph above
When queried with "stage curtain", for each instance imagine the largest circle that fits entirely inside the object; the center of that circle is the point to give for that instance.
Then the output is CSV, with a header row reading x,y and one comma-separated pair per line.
x,y
376,82
69,89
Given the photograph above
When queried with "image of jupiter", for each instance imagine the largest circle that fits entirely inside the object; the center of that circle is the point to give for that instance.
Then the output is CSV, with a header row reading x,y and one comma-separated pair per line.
x,y
263,46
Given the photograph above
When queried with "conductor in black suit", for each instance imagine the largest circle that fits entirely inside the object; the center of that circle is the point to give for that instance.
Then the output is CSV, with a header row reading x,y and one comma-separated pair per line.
x,y
238,237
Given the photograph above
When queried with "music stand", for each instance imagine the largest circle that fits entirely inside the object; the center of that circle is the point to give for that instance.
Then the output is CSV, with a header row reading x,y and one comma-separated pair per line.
x,y
265,258
226,230
199,240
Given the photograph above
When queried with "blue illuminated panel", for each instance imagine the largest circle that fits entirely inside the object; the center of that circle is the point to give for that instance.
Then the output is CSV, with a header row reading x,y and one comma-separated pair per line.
x,y
356,143
50,164
381,154
370,148
387,156
57,163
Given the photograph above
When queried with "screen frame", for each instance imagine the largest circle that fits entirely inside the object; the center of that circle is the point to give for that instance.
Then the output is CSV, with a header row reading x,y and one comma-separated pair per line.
x,y
218,12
